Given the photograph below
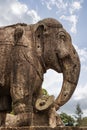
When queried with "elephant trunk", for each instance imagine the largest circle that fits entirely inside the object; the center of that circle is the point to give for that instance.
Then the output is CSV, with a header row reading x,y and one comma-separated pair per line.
x,y
71,68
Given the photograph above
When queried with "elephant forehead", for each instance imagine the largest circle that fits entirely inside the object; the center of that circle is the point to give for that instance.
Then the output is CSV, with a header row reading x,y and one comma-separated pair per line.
x,y
51,22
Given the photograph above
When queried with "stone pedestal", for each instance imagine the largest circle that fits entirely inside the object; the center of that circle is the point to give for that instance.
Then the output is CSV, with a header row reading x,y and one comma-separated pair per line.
x,y
43,128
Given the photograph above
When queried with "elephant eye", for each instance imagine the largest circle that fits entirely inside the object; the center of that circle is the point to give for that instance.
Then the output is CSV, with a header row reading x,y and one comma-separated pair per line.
x,y
62,36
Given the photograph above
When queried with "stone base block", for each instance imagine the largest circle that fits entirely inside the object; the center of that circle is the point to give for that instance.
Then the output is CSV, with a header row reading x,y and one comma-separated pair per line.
x,y
43,128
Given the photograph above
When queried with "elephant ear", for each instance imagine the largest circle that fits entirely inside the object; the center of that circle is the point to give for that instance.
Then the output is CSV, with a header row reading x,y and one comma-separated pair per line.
x,y
39,38
18,33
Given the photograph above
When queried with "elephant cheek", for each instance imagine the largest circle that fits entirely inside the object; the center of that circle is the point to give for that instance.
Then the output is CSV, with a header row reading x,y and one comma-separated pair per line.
x,y
62,49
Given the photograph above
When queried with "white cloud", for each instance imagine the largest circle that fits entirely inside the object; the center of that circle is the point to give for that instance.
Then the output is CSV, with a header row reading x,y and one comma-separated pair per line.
x,y
73,20
47,4
60,4
52,82
67,10
18,8
84,112
80,96
72,16
33,15
83,57
75,6
13,11
82,53
80,93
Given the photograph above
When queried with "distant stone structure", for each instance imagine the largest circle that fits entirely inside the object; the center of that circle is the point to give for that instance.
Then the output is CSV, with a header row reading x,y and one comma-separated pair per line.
x,y
26,52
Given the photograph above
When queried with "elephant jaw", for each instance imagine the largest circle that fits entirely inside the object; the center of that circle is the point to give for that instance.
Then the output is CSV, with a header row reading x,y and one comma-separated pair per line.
x,y
71,69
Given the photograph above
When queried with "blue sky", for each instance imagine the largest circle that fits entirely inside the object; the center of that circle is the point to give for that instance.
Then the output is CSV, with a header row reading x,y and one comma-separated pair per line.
x,y
73,15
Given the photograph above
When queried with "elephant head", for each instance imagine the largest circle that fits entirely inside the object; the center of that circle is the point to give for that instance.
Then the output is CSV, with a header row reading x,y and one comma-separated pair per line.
x,y
54,47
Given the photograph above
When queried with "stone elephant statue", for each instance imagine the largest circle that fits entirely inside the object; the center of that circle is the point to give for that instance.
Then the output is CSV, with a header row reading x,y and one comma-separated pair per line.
x,y
26,52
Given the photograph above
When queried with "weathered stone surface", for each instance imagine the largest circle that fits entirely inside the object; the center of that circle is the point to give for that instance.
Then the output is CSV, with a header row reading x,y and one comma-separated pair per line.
x,y
44,128
44,102
26,53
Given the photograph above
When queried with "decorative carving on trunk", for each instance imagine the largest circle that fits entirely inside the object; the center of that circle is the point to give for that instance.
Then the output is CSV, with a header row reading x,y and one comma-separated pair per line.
x,y
26,53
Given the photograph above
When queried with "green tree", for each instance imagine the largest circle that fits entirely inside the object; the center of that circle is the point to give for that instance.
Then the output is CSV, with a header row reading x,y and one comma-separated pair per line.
x,y
84,122
67,119
44,92
78,113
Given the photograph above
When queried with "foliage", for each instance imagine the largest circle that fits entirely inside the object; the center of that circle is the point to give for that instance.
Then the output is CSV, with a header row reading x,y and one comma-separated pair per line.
x,y
78,114
78,111
84,122
12,112
44,92
67,119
